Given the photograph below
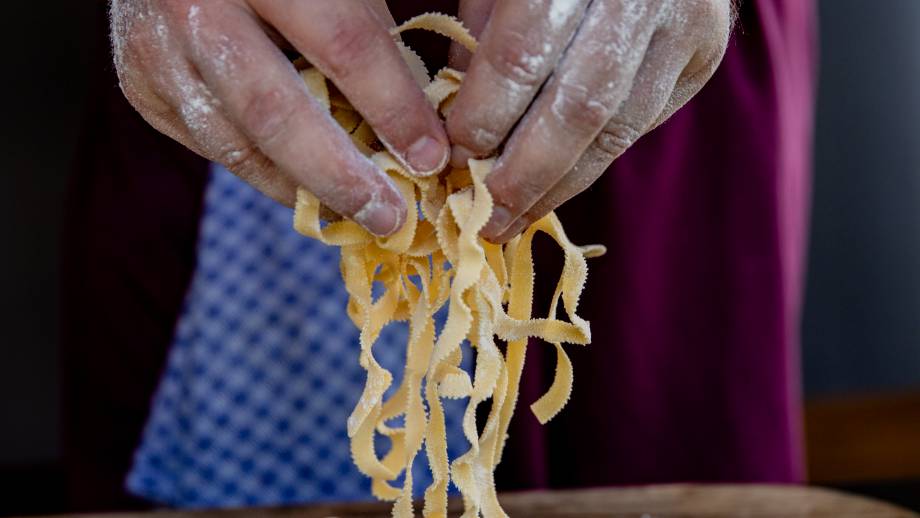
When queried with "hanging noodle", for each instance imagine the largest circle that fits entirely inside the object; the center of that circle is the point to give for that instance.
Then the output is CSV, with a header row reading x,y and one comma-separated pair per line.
x,y
431,260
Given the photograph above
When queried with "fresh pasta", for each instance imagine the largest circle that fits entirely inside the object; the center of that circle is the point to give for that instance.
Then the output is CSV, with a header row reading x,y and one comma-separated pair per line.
x,y
437,258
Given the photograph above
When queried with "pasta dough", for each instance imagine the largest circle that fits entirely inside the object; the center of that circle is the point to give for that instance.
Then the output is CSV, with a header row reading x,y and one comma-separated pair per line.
x,y
435,258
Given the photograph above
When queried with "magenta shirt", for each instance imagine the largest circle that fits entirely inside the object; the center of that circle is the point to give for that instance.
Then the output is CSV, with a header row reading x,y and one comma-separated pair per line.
x,y
693,374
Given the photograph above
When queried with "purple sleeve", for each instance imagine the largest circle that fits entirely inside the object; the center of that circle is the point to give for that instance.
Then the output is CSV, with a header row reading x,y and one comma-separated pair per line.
x,y
693,374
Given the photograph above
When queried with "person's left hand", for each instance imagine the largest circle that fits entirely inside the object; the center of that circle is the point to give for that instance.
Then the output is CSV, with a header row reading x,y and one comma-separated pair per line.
x,y
613,70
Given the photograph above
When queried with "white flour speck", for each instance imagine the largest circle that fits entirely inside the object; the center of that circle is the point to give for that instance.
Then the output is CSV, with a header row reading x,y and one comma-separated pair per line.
x,y
234,156
533,62
226,57
193,22
560,11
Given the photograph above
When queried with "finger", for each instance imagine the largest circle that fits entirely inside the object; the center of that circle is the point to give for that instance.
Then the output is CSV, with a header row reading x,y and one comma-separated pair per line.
x,y
594,77
172,97
347,43
474,14
260,92
651,94
147,60
667,79
382,12
712,26
586,171
688,85
221,141
210,134
163,116
520,46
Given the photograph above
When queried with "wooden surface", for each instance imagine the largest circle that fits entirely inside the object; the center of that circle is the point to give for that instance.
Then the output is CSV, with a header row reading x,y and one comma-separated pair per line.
x,y
673,501
863,438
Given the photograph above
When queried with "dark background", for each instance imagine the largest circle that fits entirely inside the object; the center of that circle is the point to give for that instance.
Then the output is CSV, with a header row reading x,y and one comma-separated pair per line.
x,y
861,324
46,70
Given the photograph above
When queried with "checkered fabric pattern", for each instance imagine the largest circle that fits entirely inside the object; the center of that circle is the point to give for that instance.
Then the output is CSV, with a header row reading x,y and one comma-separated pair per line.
x,y
263,372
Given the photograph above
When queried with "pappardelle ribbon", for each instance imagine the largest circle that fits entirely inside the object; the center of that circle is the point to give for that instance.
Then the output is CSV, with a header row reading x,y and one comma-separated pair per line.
x,y
435,259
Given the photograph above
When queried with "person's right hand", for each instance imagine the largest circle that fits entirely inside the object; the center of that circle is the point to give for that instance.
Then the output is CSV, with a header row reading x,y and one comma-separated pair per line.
x,y
211,74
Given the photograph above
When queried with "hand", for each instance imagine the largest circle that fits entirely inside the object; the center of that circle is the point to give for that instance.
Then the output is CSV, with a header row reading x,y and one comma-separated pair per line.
x,y
568,85
212,75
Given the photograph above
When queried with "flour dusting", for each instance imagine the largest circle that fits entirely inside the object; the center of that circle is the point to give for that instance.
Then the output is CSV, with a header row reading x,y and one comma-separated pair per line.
x,y
560,11
193,22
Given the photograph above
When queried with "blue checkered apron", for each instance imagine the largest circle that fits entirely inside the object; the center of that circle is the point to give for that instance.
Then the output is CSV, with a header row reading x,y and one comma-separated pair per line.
x,y
263,371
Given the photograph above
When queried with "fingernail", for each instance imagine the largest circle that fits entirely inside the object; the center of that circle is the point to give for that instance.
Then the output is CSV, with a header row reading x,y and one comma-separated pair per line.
x,y
460,156
500,219
426,155
379,218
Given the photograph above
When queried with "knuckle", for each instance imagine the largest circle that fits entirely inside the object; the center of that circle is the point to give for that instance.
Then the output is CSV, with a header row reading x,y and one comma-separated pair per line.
x,y
518,195
713,12
141,36
267,114
264,176
348,195
483,139
576,107
142,98
709,20
348,45
462,129
616,137
389,120
243,158
514,60
137,44
149,106
176,9
132,95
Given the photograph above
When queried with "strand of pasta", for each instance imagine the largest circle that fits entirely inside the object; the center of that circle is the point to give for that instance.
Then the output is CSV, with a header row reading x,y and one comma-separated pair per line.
x,y
432,260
